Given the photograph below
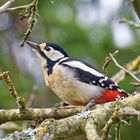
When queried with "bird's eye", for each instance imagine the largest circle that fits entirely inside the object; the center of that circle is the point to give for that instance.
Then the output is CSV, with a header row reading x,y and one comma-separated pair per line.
x,y
47,49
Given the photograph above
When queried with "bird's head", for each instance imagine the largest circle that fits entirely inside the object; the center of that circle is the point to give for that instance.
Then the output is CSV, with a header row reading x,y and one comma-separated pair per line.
x,y
49,51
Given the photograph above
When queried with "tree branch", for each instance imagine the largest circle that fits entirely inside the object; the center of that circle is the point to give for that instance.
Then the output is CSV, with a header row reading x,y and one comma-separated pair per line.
x,y
91,130
130,22
73,125
37,113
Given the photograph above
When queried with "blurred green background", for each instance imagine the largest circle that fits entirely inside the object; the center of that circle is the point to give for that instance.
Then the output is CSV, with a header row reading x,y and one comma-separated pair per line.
x,y
87,29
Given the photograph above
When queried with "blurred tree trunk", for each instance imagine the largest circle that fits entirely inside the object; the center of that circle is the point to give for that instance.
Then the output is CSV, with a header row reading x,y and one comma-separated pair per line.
x,y
136,6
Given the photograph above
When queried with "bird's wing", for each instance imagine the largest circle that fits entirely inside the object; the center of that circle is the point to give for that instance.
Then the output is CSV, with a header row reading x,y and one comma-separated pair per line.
x,y
86,73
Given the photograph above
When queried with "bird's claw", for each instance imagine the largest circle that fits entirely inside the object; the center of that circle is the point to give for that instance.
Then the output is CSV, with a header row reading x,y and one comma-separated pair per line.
x,y
83,114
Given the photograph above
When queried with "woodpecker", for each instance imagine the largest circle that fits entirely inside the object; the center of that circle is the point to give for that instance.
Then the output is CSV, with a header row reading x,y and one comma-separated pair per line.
x,y
74,81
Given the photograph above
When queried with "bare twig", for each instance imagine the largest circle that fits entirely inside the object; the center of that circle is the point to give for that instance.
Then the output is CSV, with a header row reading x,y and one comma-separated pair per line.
x,y
129,22
5,6
20,100
122,68
117,129
113,119
131,66
16,8
30,102
32,96
108,61
135,84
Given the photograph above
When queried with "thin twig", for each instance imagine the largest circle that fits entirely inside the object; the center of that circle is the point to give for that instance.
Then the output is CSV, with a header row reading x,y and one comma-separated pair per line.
x,y
32,96
131,66
29,103
108,61
19,100
117,129
130,22
32,13
119,66
135,84
5,6
114,118
16,8
107,127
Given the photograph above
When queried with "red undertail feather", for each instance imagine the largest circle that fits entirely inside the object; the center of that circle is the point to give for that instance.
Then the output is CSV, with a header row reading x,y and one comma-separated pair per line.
x,y
109,95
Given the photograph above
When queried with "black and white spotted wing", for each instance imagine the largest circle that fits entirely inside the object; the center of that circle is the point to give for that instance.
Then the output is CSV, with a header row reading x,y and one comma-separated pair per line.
x,y
88,74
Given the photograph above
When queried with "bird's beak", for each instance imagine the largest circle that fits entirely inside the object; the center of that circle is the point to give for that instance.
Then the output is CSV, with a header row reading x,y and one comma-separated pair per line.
x,y
33,45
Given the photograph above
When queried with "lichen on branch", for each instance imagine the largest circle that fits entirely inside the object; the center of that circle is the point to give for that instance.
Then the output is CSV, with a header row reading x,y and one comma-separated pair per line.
x,y
31,12
19,100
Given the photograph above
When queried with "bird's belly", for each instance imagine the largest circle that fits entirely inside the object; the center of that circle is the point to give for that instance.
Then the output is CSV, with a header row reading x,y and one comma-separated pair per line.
x,y
70,89
76,93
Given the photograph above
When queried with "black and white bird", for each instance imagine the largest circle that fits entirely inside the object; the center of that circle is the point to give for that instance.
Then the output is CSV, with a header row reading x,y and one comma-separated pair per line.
x,y
74,81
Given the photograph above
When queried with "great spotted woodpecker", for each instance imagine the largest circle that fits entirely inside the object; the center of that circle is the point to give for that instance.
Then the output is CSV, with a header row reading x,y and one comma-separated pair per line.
x,y
74,81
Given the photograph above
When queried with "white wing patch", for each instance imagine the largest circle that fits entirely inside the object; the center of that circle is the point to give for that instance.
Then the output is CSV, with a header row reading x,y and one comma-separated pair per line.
x,y
103,79
80,65
63,59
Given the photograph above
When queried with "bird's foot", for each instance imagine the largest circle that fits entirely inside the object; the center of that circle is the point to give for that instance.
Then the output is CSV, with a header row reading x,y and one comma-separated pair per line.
x,y
84,114
90,105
